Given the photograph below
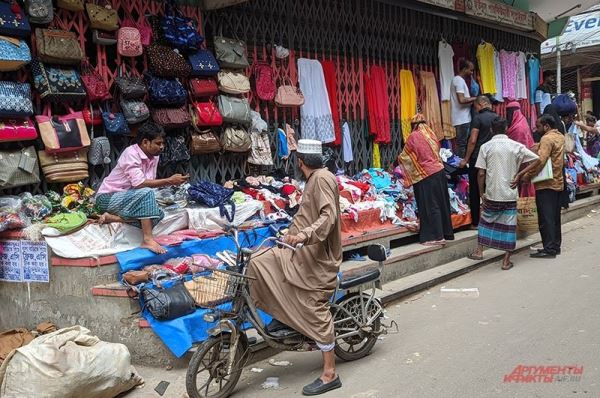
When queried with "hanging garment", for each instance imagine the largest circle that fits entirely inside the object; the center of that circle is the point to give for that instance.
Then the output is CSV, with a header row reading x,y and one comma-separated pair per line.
x,y
498,73
408,101
376,156
508,62
378,105
485,58
347,143
521,85
315,114
431,104
331,82
445,54
534,77
449,130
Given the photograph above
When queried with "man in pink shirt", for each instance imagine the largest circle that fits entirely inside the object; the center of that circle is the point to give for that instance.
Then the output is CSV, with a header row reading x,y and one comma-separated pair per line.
x,y
127,194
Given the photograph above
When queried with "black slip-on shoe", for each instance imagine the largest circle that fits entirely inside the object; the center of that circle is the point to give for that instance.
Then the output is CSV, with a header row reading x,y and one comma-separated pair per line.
x,y
542,254
557,252
317,387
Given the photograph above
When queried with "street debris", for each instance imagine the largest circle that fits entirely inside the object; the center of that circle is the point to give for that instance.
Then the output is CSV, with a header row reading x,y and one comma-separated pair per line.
x,y
161,388
366,394
409,361
272,383
279,363
434,306
256,370
483,323
584,276
472,292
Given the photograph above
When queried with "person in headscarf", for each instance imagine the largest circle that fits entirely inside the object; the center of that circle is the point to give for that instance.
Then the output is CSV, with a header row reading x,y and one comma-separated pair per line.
x,y
518,129
424,170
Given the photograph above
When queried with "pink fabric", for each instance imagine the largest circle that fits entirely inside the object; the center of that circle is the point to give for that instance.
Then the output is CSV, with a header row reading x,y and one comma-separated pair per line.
x,y
508,63
519,128
133,168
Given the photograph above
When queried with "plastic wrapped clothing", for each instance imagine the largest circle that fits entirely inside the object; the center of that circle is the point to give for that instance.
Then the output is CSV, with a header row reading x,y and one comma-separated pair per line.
x,y
589,162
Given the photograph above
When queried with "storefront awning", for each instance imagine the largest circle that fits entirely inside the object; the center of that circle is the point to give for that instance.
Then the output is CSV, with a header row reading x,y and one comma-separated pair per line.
x,y
557,13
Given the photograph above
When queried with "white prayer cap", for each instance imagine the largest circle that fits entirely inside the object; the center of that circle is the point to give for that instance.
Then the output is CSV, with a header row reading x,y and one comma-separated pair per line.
x,y
310,147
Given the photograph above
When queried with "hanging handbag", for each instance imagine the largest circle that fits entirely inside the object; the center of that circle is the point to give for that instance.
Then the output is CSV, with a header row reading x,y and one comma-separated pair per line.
x,y
14,54
63,133
15,99
204,142
289,96
103,18
170,303
258,124
163,61
135,111
179,31
172,118
166,92
205,114
234,110
203,63
57,84
264,81
129,42
71,5
19,167
233,82
213,195
40,12
260,151
17,130
94,84
56,46
143,28
104,38
200,88
231,53
99,153
175,151
13,21
130,87
236,139
64,167
114,123
91,116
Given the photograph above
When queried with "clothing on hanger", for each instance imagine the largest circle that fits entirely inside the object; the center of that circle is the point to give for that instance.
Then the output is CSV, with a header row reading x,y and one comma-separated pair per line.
x,y
485,59
445,58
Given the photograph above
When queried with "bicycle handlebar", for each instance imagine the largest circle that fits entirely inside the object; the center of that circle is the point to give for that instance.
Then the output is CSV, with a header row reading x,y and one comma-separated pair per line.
x,y
277,242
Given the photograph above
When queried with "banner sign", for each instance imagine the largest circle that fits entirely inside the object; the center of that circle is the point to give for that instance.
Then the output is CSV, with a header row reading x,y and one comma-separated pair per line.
x,y
498,12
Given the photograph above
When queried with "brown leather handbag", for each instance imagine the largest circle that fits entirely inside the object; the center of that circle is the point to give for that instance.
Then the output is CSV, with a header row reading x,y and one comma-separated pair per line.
x,y
203,142
56,46
64,167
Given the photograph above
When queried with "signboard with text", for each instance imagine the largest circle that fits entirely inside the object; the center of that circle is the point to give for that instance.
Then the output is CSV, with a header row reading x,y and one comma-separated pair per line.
x,y
498,12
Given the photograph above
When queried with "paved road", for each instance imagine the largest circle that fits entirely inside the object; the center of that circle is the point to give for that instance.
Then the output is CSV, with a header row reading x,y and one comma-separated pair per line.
x,y
540,313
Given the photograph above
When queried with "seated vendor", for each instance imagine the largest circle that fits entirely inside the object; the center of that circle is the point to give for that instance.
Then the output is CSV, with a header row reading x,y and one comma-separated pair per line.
x,y
127,194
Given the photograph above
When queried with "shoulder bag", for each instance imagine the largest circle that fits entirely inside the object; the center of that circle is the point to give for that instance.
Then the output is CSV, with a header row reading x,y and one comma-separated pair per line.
x,y
236,139
94,84
231,53
91,116
17,130
103,18
15,99
234,110
168,303
200,88
289,96
64,167
166,92
14,54
19,167
57,84
204,142
172,118
135,111
56,46
175,151
129,42
40,12
203,63
260,151
205,114
71,5
179,31
143,28
264,81
163,61
13,21
114,123
63,133
130,87
99,153
231,82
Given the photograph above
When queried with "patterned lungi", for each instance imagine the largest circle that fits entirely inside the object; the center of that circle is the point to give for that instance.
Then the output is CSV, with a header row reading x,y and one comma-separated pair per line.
x,y
498,225
131,206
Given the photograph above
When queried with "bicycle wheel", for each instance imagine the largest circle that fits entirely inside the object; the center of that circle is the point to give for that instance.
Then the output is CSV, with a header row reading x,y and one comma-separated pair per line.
x,y
358,346
207,375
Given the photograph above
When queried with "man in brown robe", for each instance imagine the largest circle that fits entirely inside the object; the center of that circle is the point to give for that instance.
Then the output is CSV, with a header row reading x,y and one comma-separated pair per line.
x,y
296,287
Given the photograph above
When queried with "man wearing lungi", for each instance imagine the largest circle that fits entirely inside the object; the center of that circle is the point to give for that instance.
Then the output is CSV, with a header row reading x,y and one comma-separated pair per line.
x,y
498,163
127,194
295,287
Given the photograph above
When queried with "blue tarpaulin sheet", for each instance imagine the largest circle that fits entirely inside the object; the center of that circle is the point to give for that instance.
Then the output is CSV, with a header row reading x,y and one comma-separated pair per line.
x,y
181,333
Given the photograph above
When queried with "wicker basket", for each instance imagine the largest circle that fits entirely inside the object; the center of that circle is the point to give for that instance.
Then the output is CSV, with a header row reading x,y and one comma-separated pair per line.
x,y
217,288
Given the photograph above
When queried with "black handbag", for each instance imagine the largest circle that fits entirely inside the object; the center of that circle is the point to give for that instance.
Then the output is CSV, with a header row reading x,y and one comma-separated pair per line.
x,y
130,87
168,303
57,84
176,150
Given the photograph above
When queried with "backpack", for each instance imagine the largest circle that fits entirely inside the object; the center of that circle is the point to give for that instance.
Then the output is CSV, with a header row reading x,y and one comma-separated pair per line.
x,y
264,82
213,195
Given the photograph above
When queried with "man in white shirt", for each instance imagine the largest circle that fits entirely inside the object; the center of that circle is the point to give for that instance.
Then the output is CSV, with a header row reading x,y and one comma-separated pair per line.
x,y
543,96
499,162
460,101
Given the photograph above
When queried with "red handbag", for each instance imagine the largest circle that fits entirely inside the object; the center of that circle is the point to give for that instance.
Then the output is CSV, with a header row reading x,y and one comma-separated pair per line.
x,y
205,114
91,116
17,130
95,87
203,87
264,81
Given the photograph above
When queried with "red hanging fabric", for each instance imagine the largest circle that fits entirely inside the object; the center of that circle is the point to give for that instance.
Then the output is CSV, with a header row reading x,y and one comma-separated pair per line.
x,y
331,83
378,105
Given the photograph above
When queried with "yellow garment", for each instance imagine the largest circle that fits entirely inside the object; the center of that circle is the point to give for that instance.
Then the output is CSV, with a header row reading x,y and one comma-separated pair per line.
x,y
408,101
449,130
431,105
487,70
376,156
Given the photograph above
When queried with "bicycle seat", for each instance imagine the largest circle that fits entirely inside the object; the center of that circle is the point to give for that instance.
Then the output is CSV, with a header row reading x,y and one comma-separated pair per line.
x,y
364,276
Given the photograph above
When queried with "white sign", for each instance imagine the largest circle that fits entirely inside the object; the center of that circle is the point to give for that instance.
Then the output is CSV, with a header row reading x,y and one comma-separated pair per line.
x,y
581,31
24,261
